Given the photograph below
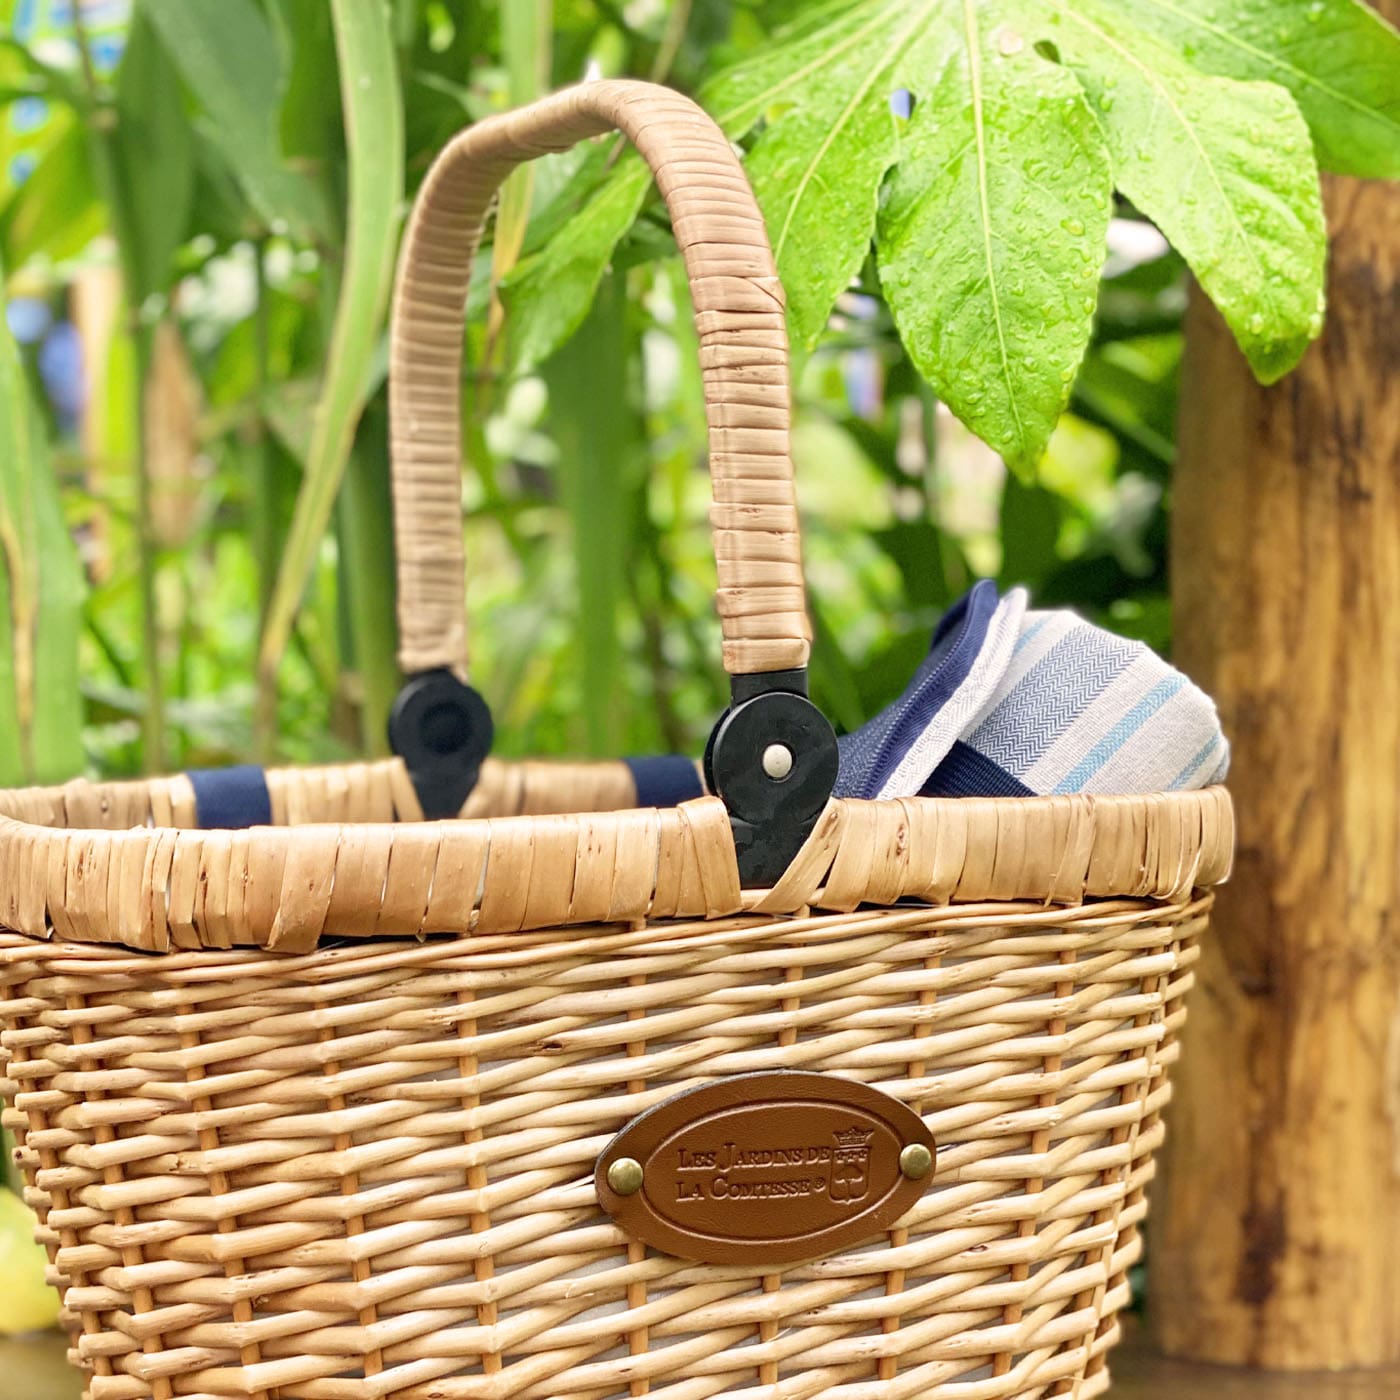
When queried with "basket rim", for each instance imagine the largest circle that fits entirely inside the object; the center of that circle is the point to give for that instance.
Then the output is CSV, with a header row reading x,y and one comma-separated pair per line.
x,y
113,863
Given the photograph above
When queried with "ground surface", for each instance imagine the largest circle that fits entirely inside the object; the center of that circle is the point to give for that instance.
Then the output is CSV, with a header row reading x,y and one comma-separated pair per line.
x,y
34,1369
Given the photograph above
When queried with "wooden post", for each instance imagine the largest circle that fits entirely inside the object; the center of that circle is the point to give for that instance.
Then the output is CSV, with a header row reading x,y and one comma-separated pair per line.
x,y
1276,1236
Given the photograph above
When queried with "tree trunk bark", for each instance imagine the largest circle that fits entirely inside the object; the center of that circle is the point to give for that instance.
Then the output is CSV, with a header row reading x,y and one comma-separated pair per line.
x,y
1276,1240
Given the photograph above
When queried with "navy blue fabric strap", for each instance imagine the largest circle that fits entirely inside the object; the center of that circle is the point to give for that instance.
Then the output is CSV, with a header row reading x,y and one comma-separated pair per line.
x,y
666,781
231,798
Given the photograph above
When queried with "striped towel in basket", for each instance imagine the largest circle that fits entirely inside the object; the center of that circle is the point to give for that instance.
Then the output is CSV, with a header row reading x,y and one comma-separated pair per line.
x,y
1061,706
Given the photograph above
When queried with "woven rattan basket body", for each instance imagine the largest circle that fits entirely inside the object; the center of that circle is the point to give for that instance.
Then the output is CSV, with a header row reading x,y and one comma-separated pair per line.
x,y
310,1111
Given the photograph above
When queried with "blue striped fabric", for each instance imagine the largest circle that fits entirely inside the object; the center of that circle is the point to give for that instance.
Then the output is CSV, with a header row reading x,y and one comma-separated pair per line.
x,y
1121,732
1214,747
1077,669
1076,709
871,753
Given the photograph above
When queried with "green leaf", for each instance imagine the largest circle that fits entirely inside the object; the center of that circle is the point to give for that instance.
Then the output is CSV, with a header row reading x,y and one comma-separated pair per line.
x,y
56,212
527,49
372,103
40,597
309,122
226,52
1339,58
818,165
1003,156
155,157
549,294
1225,169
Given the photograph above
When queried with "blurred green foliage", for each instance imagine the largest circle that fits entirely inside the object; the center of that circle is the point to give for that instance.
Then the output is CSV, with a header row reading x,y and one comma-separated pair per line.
x,y
199,207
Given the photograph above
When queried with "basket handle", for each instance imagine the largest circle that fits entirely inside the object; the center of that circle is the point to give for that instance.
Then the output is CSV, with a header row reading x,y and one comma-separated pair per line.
x,y
739,315
772,756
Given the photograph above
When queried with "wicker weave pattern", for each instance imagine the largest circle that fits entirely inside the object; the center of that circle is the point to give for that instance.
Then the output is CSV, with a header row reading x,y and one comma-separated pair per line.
x,y
365,1172
739,317
343,870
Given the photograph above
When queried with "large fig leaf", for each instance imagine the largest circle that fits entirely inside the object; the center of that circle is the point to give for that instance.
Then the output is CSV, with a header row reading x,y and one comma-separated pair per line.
x,y
994,228
988,206
1224,168
1339,58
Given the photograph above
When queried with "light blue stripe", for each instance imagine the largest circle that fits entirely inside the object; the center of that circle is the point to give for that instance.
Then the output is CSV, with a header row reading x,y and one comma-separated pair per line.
x,y
1028,636
1048,700
1181,778
1120,733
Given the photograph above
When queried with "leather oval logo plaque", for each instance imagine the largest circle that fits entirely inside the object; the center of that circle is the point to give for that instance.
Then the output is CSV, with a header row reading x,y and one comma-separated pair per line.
x,y
766,1168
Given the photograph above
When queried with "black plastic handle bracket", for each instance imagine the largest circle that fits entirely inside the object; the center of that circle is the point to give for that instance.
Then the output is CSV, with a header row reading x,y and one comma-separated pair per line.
x,y
772,759
442,729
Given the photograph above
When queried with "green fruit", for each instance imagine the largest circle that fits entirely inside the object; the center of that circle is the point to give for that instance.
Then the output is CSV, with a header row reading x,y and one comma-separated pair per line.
x,y
27,1303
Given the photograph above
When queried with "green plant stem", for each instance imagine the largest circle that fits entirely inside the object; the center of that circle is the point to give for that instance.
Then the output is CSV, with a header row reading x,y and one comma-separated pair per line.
x,y
676,24
264,513
951,572
595,452
364,520
651,609
102,124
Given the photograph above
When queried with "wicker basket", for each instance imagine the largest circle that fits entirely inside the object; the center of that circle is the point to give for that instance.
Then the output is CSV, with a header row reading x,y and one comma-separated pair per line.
x,y
311,1110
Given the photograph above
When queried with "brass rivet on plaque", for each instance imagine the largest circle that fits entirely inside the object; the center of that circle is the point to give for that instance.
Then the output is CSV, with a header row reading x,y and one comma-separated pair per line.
x,y
625,1176
915,1161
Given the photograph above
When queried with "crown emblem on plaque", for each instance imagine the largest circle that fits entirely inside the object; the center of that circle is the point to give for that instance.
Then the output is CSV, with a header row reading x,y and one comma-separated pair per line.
x,y
853,1137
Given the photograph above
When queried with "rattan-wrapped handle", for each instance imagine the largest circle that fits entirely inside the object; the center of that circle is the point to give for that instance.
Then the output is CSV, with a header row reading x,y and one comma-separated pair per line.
x,y
739,315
